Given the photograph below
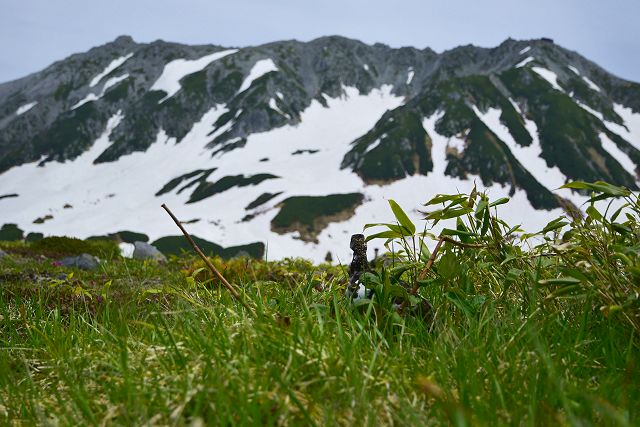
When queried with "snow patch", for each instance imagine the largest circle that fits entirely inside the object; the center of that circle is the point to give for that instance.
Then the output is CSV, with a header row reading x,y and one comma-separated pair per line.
x,y
631,129
26,107
274,106
591,84
590,110
93,97
260,68
525,50
174,71
574,69
457,144
366,67
410,75
112,82
90,97
525,62
549,76
112,66
531,156
374,145
618,154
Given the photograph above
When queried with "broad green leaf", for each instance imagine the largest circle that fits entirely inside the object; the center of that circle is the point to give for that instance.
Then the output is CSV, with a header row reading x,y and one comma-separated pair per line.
x,y
460,233
554,225
500,201
606,189
448,265
397,291
448,213
402,217
593,213
461,303
482,205
441,198
389,234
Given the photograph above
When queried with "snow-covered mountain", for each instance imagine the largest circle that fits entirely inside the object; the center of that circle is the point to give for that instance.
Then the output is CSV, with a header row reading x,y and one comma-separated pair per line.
x,y
295,146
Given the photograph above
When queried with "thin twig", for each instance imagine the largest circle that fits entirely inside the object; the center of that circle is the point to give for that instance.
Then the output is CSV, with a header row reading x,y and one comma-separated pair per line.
x,y
432,258
208,263
427,267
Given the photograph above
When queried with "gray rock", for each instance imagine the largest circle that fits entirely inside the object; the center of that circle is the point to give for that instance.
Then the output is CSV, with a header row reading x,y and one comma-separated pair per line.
x,y
3,254
83,262
144,250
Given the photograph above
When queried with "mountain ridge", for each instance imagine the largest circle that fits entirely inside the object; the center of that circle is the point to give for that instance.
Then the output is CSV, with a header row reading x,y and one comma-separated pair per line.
x,y
522,118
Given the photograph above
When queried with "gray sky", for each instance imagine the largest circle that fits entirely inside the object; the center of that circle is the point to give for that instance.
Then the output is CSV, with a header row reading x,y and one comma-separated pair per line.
x,y
35,33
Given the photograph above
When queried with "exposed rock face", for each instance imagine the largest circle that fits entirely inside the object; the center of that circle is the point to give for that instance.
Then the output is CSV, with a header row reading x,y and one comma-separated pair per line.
x,y
520,119
83,262
144,251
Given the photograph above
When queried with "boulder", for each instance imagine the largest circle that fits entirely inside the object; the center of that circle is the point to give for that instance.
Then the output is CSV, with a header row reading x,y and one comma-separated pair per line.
x,y
144,250
83,262
3,254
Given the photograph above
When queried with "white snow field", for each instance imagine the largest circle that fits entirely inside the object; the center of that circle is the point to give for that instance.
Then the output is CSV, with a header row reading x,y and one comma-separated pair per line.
x,y
24,108
591,84
109,68
93,97
525,50
410,75
110,197
620,156
259,69
549,76
174,71
525,61
529,156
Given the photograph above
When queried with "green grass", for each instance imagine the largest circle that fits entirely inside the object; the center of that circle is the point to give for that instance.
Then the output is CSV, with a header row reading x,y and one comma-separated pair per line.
x,y
514,341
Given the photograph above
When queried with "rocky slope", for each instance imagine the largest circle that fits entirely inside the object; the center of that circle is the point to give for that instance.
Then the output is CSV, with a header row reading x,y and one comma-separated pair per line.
x,y
297,145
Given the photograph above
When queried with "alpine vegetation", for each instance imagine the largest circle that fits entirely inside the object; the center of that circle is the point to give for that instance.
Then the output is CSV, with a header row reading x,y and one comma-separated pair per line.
x,y
479,323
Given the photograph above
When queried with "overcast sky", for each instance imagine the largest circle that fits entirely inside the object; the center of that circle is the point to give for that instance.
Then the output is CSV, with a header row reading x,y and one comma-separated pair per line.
x,y
35,33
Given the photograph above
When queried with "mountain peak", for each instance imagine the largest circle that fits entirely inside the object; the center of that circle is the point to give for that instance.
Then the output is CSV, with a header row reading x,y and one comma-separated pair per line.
x,y
312,130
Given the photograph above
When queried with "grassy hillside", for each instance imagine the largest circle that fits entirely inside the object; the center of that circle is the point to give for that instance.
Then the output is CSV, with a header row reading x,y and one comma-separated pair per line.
x,y
526,329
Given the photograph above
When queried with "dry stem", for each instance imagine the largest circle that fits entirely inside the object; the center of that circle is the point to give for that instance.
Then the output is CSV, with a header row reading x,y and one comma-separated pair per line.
x,y
208,263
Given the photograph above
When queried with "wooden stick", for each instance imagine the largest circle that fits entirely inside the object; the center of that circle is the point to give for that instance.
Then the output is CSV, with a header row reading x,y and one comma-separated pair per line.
x,y
430,262
211,267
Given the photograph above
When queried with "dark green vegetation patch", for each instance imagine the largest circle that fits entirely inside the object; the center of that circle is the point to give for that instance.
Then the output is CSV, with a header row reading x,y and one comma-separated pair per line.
x,y
569,135
67,246
177,245
11,232
395,148
309,215
262,199
123,236
207,189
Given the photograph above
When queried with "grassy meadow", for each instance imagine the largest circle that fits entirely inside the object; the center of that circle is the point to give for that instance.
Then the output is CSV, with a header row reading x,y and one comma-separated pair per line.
x,y
525,329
